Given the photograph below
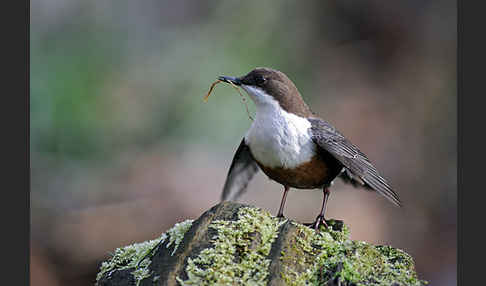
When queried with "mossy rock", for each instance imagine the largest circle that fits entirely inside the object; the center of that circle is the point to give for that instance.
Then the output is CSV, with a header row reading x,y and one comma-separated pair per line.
x,y
235,244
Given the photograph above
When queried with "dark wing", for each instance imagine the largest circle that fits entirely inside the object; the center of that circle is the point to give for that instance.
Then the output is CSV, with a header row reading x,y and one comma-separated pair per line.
x,y
240,173
358,168
353,180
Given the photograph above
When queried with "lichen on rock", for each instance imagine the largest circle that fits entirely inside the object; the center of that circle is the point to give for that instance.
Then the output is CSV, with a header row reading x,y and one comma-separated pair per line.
x,y
329,255
235,244
239,252
137,255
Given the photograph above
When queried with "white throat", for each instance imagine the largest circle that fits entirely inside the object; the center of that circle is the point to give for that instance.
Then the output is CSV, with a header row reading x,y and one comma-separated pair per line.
x,y
276,137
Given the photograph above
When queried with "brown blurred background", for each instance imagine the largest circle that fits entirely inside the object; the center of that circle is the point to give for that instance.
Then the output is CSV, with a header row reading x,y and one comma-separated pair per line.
x,y
123,147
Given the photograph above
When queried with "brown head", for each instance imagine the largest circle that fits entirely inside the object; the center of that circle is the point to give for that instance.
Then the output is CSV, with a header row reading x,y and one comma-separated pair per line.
x,y
263,82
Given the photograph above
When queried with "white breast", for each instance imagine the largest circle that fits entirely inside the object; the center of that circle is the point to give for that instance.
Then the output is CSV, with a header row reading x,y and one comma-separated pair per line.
x,y
278,138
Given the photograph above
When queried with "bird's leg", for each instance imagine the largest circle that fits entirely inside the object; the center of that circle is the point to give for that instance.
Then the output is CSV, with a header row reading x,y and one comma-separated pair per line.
x,y
320,218
282,203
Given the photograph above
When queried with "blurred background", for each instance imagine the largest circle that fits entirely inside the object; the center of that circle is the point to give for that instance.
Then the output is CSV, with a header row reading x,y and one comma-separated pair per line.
x,y
123,146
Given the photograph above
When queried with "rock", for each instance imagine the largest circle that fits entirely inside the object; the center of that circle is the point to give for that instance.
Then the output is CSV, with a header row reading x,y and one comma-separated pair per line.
x,y
235,244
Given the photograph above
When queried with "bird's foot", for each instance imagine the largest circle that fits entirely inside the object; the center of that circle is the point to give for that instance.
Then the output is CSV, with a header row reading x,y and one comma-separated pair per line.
x,y
317,223
280,216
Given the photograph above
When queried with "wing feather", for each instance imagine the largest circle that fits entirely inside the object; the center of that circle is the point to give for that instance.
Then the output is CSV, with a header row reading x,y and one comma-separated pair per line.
x,y
354,161
241,171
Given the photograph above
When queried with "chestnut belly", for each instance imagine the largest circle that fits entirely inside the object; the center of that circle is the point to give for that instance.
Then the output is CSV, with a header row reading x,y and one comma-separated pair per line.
x,y
316,173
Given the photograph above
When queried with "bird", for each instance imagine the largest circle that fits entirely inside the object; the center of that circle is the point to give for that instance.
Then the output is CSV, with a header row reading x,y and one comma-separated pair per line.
x,y
294,147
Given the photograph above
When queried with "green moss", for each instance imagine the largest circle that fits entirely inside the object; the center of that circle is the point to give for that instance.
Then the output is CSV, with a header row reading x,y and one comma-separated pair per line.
x,y
240,249
330,254
176,234
138,255
239,252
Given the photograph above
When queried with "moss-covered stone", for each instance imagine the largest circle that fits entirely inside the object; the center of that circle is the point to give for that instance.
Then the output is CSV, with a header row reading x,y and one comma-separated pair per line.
x,y
334,257
136,257
234,244
240,251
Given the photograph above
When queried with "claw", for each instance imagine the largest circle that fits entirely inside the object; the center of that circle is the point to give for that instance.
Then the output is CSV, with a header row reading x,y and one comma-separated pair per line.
x,y
317,223
319,220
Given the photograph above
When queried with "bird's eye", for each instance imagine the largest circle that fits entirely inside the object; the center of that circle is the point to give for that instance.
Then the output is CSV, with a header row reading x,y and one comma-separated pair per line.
x,y
259,80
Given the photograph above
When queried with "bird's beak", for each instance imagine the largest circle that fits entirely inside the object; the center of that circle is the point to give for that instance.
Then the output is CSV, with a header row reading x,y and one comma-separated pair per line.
x,y
233,80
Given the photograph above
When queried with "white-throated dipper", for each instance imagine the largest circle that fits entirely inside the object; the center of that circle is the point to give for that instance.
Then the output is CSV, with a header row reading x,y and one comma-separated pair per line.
x,y
293,146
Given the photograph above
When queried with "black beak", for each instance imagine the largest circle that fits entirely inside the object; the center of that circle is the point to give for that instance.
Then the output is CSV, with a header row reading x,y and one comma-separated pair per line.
x,y
234,80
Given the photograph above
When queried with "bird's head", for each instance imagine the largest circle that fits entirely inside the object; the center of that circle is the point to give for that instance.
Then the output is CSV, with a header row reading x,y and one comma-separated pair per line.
x,y
268,86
